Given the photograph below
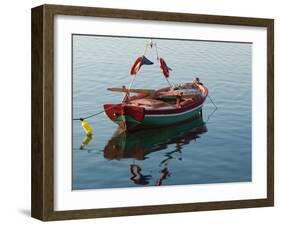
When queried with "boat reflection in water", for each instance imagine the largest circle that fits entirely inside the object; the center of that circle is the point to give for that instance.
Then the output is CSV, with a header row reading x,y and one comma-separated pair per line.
x,y
137,145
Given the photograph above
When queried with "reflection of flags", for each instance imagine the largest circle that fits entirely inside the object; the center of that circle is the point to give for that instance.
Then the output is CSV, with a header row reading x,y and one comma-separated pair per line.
x,y
137,177
138,63
164,67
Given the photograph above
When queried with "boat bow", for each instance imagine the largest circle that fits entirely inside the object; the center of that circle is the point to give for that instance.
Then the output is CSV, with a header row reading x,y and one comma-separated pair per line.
x,y
124,115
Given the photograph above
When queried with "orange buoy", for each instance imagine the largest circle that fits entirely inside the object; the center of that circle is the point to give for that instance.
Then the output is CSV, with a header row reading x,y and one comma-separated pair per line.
x,y
165,69
136,66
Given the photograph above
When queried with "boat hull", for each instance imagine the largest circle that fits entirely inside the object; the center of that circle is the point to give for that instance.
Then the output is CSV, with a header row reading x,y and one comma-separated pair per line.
x,y
129,122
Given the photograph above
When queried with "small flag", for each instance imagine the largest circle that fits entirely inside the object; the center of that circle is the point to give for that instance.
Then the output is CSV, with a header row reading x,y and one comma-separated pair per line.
x,y
146,61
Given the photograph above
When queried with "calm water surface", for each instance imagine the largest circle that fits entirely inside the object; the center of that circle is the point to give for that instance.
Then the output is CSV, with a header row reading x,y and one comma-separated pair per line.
x,y
215,150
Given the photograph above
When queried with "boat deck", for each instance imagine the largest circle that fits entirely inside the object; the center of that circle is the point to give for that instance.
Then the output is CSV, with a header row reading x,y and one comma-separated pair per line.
x,y
166,99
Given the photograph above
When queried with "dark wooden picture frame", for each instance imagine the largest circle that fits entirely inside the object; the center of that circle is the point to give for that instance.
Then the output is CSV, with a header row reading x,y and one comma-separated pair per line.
x,y
42,203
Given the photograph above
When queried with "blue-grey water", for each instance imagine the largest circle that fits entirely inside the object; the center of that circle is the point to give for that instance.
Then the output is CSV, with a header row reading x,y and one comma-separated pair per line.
x,y
194,153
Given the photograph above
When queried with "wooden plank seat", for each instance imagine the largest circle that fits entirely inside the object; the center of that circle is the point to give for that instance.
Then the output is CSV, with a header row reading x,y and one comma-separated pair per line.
x,y
148,102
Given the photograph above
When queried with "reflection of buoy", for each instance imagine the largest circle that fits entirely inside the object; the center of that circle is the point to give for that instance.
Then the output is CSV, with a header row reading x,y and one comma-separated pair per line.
x,y
86,141
86,126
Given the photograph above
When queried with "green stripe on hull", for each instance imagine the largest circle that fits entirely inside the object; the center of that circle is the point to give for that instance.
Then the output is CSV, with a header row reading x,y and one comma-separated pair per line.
x,y
130,122
157,120
168,120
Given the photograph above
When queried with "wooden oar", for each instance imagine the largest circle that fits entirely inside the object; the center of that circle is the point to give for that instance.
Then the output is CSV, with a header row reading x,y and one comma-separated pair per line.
x,y
144,91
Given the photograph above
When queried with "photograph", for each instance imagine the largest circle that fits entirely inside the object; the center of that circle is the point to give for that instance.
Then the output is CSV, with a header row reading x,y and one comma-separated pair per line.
x,y
150,111
139,112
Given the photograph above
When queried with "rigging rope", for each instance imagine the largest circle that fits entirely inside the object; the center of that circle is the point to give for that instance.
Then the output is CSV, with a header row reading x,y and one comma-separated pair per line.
x,y
156,51
145,49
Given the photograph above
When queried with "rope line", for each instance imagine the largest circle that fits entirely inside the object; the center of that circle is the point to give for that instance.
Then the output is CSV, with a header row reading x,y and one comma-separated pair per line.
x,y
89,116
156,51
145,49
212,101
211,114
93,114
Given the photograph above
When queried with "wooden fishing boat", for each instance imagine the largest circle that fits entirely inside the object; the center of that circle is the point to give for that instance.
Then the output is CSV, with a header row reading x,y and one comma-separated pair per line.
x,y
158,108
154,108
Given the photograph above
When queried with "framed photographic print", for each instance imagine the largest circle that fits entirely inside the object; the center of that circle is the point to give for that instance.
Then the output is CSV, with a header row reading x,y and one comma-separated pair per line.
x,y
142,112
